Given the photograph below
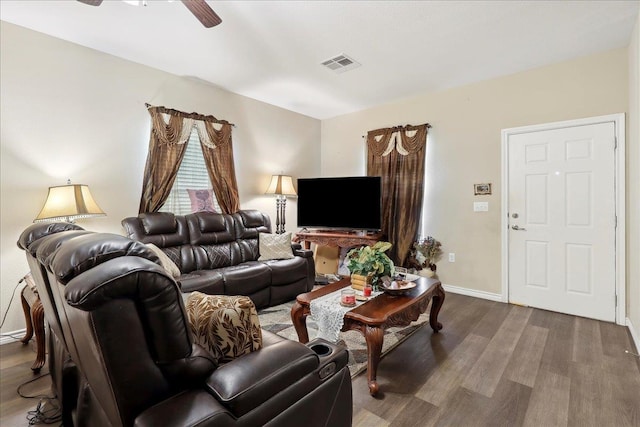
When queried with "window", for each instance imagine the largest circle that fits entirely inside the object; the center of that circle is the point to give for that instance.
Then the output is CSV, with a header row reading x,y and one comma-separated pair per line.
x,y
191,175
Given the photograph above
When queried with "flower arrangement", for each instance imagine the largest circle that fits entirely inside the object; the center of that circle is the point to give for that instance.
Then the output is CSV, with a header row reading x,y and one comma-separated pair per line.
x,y
371,260
427,252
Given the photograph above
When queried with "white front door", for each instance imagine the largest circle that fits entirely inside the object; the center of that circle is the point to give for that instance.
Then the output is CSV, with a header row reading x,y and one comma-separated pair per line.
x,y
561,219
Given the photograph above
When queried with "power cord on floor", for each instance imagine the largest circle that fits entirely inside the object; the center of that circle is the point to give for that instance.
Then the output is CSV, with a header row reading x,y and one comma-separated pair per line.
x,y
41,415
45,416
4,317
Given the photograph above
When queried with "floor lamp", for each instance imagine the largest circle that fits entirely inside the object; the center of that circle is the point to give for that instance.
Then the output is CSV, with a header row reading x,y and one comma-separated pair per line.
x,y
281,186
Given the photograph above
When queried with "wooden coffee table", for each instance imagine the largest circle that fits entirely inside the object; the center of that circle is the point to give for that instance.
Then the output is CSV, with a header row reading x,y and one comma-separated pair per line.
x,y
374,316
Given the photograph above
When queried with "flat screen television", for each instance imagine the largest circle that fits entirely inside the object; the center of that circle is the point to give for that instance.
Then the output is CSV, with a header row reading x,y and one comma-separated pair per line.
x,y
352,203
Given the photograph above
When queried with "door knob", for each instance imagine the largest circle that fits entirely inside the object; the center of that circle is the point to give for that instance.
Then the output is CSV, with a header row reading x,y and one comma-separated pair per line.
x,y
515,227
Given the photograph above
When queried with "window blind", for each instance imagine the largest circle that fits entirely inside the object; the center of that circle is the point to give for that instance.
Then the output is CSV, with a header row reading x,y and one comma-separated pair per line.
x,y
191,175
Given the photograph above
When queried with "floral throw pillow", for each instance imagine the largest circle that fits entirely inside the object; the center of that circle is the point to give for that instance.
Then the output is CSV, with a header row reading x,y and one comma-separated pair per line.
x,y
201,200
227,326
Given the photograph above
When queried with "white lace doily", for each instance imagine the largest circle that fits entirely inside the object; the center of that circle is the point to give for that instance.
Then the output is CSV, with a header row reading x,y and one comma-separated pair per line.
x,y
327,312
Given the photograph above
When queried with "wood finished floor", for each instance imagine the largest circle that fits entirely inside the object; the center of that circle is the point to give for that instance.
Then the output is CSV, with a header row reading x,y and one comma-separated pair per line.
x,y
493,364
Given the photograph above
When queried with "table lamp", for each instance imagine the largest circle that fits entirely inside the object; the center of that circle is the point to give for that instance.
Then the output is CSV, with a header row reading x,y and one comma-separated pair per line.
x,y
68,203
281,186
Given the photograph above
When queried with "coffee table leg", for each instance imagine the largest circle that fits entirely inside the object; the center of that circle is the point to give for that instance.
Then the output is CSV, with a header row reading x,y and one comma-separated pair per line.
x,y
299,319
436,303
374,337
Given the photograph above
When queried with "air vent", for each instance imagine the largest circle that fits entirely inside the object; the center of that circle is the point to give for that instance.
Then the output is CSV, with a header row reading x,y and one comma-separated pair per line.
x,y
341,63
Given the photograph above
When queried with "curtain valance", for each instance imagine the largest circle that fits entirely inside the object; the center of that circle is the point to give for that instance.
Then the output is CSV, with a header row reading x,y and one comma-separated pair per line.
x,y
404,139
171,126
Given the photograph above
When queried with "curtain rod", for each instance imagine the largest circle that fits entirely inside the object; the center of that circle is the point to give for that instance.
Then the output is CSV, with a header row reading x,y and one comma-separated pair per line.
x,y
400,127
195,116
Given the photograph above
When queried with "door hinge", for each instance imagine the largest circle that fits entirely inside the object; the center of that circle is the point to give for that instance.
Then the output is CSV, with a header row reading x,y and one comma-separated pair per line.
x,y
616,221
615,142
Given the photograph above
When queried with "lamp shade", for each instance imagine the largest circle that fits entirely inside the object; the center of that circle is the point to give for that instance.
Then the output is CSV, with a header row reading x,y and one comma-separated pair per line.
x,y
281,185
68,203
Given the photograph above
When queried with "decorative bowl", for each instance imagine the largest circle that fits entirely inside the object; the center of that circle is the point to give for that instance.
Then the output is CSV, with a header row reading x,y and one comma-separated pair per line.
x,y
397,287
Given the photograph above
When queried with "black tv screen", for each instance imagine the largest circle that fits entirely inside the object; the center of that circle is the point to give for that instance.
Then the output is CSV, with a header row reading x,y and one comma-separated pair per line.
x,y
340,203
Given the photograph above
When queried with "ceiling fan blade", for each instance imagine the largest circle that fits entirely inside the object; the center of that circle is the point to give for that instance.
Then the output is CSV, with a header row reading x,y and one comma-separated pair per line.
x,y
91,2
203,12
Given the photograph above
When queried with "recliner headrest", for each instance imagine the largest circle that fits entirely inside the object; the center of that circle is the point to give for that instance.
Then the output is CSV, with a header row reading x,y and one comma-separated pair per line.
x,y
158,222
209,222
40,229
252,218
43,248
209,228
85,252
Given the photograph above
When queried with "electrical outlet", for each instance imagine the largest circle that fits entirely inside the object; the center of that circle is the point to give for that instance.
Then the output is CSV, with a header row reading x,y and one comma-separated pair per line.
x,y
452,257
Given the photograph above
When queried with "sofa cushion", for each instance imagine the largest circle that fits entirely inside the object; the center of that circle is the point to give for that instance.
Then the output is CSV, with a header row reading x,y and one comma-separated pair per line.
x,y
208,228
227,326
252,218
246,278
170,266
209,257
206,281
274,246
287,271
248,223
159,222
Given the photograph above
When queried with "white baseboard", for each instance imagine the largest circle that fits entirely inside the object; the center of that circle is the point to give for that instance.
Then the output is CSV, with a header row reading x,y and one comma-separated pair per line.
x,y
17,335
473,293
634,335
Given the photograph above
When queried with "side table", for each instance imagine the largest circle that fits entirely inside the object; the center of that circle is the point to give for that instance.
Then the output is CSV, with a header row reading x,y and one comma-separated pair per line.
x,y
34,318
332,238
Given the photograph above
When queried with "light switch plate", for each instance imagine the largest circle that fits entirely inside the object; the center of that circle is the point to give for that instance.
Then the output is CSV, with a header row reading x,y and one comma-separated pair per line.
x,y
481,206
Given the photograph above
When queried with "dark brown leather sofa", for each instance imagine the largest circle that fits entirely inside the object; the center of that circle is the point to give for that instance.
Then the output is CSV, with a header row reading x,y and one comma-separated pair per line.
x,y
124,355
217,254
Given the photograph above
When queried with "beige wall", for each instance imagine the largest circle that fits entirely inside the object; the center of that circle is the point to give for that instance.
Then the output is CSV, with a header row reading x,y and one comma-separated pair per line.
x,y
633,185
72,112
464,148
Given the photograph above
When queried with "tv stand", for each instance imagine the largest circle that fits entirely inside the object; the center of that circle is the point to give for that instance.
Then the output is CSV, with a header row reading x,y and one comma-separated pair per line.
x,y
341,239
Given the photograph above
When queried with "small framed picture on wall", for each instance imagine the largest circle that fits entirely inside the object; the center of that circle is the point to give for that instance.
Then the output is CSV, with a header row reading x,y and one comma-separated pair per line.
x,y
481,189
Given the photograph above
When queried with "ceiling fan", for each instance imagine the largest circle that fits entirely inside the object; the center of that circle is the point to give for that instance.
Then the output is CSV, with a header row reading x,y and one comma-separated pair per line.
x,y
199,8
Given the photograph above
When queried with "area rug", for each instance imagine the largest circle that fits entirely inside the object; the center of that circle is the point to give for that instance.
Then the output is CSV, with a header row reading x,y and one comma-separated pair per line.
x,y
277,319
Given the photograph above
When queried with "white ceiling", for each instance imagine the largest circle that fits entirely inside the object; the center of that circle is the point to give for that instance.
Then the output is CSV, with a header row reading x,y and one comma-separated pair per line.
x,y
272,50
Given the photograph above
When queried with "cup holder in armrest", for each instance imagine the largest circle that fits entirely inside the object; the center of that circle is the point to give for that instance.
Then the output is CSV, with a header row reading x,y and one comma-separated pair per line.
x,y
332,357
321,349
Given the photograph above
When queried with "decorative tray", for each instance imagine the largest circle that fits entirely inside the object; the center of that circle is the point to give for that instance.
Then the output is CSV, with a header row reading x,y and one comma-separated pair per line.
x,y
397,287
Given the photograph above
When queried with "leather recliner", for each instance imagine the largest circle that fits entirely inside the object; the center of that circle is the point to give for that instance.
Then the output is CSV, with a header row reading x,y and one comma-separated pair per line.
x,y
121,321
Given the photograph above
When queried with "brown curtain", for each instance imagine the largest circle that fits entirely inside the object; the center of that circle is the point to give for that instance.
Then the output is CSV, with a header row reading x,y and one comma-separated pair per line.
x,y
167,146
217,150
399,160
166,150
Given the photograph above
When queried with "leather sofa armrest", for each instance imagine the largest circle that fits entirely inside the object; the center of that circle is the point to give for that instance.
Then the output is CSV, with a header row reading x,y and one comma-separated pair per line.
x,y
332,357
190,408
304,253
249,381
